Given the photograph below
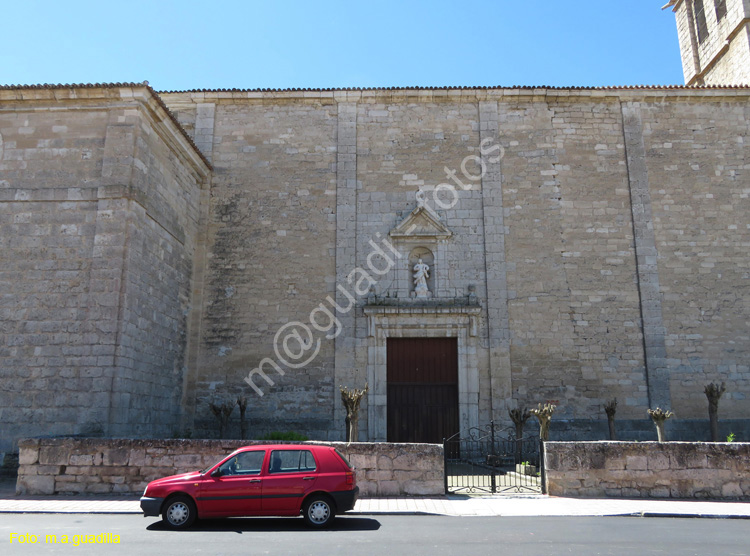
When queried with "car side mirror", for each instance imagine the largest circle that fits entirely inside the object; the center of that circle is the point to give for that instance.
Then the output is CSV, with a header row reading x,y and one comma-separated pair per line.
x,y
216,473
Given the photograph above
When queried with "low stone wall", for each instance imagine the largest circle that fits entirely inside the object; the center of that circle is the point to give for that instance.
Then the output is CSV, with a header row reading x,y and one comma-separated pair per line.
x,y
648,469
125,466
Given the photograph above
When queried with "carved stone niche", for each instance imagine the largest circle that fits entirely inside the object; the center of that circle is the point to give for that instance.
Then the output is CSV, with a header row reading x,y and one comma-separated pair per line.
x,y
423,236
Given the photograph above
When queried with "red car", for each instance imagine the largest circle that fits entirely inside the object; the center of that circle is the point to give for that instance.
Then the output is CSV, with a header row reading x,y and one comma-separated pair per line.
x,y
267,480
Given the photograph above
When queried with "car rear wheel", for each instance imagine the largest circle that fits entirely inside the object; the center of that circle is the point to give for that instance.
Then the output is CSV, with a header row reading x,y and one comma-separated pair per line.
x,y
179,512
318,511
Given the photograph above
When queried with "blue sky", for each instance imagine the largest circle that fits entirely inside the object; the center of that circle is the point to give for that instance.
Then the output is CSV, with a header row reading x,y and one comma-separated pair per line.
x,y
186,44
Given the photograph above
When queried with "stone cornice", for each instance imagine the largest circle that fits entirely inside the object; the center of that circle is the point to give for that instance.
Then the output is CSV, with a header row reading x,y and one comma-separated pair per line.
x,y
422,307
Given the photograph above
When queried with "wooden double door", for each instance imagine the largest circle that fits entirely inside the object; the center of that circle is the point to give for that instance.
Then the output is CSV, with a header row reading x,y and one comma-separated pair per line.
x,y
422,389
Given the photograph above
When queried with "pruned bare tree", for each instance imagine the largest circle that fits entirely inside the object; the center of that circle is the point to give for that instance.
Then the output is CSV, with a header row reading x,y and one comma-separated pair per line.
x,y
543,414
242,404
610,408
519,416
351,400
222,410
714,392
659,417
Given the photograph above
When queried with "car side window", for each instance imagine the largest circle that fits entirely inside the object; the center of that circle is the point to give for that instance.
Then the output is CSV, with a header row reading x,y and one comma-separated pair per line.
x,y
291,461
244,463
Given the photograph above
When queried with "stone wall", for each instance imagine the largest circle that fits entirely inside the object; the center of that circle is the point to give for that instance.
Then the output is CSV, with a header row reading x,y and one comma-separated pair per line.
x,y
648,469
99,196
733,65
606,248
52,372
271,228
698,191
722,56
125,466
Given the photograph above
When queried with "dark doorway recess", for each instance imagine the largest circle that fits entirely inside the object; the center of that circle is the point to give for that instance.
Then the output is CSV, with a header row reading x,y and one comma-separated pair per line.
x,y
422,389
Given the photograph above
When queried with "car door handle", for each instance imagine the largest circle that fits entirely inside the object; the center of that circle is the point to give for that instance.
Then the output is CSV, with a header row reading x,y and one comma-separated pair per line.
x,y
254,480
308,478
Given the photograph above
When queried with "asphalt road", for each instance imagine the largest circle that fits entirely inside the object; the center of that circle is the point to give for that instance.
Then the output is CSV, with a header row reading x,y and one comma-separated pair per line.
x,y
382,535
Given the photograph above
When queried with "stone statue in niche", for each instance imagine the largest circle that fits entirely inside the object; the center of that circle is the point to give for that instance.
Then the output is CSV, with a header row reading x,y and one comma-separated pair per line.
x,y
473,295
421,274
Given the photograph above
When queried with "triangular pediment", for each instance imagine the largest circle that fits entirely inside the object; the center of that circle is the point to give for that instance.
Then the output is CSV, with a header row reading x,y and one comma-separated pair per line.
x,y
422,223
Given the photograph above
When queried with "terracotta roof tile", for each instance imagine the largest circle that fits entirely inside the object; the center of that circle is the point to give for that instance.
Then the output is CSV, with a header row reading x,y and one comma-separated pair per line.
x,y
466,88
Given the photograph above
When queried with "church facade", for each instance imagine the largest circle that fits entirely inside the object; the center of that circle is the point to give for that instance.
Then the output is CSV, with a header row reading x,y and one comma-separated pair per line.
x,y
462,251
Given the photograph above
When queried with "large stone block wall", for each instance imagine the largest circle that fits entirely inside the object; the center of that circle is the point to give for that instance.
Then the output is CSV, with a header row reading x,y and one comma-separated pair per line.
x,y
572,290
699,192
402,147
271,229
734,64
648,470
53,379
606,249
98,202
125,466
723,56
612,204
160,225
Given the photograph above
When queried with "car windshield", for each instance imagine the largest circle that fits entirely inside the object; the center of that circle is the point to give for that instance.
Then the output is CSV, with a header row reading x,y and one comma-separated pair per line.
x,y
217,461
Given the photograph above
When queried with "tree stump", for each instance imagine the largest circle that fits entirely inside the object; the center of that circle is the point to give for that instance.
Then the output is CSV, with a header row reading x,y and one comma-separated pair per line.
x,y
713,393
610,408
659,417
351,400
543,414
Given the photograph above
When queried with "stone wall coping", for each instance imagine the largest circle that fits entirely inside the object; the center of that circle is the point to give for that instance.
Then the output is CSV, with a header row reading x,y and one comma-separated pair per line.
x,y
225,442
640,443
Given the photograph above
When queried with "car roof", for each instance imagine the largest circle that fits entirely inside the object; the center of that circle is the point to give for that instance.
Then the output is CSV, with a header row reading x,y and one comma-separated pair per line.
x,y
285,447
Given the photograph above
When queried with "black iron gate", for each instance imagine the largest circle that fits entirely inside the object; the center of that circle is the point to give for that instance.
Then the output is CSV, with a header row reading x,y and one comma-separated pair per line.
x,y
484,459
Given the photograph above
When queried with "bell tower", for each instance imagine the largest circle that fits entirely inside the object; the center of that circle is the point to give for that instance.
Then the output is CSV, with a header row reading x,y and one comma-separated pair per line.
x,y
714,40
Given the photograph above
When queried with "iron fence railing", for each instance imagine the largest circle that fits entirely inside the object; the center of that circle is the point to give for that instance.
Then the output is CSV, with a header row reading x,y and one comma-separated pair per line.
x,y
484,459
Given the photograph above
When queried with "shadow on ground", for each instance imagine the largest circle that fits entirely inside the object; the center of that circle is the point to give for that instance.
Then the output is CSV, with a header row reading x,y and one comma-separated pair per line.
x,y
7,487
256,524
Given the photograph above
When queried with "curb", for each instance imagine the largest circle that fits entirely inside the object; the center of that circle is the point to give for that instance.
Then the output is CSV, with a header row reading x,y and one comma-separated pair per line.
x,y
694,516
89,512
422,513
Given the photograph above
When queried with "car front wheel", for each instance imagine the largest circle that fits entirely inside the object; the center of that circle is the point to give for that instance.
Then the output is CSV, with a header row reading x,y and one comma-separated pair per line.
x,y
179,512
318,511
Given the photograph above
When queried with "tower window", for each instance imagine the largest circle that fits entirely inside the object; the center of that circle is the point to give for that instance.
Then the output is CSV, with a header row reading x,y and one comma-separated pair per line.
x,y
721,9
700,20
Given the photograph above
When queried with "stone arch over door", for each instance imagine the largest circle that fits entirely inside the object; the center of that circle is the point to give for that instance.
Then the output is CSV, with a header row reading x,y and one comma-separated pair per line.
x,y
421,322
